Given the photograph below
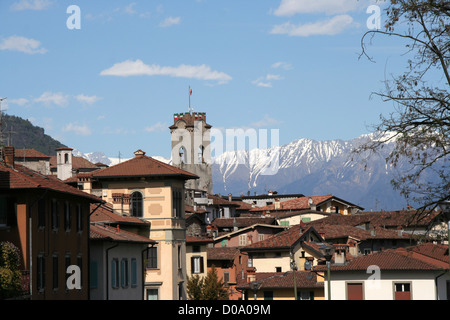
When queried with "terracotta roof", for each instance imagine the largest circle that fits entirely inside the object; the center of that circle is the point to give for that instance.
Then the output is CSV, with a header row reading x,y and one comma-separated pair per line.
x,y
199,240
221,201
391,259
280,280
77,163
106,215
241,222
22,177
283,240
29,153
102,232
222,253
301,203
382,218
142,166
344,231
243,206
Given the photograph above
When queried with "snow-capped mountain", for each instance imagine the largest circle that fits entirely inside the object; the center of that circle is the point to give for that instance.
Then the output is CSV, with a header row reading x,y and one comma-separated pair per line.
x,y
310,167
303,166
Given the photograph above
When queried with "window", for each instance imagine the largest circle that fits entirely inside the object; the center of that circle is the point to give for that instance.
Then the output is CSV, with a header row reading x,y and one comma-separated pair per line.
x,y
402,291
55,215
41,213
152,258
115,273
79,218
278,269
67,217
137,204
355,291
40,273
182,154
197,265
134,272
250,261
179,257
55,272
226,277
224,243
268,295
152,294
201,151
306,295
177,203
80,265
124,274
242,240
448,289
67,264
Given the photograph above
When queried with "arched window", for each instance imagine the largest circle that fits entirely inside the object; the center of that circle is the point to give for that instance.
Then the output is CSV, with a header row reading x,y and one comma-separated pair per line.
x,y
66,158
182,153
137,204
201,151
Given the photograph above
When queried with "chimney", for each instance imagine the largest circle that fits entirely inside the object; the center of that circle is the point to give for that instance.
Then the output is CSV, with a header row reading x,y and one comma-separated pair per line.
x,y
400,231
230,197
373,232
9,156
139,153
277,204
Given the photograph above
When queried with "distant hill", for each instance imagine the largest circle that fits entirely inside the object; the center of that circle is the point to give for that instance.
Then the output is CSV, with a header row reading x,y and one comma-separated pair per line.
x,y
24,135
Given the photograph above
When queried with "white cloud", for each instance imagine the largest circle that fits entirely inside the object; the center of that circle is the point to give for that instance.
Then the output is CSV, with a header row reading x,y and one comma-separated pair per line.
x,y
130,8
282,65
266,81
332,26
138,68
87,99
170,21
30,5
49,98
266,122
22,44
157,127
20,101
77,129
292,7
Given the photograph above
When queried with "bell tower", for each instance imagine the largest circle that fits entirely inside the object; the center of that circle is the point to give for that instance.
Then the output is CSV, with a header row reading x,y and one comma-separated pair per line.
x,y
191,151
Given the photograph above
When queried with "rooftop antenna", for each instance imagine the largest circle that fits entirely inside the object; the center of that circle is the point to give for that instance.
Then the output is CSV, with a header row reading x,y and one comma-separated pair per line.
x,y
1,129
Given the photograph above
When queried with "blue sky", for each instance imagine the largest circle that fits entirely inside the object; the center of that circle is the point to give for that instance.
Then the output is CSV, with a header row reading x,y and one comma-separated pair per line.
x,y
114,84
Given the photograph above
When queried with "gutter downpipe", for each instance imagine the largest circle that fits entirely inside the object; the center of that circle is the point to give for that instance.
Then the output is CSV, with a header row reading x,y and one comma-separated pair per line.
x,y
30,233
107,269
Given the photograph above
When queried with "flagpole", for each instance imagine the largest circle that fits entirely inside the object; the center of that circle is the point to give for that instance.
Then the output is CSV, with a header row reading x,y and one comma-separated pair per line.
x,y
189,99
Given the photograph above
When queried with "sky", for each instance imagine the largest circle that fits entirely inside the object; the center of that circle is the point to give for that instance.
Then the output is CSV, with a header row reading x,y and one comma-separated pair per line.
x,y
109,75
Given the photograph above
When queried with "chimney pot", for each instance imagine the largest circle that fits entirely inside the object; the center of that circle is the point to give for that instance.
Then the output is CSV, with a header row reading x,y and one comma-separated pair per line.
x,y
9,156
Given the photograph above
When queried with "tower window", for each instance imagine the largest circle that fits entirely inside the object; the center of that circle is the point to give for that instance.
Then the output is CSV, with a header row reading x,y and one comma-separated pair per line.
x,y
182,154
137,204
66,158
201,151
